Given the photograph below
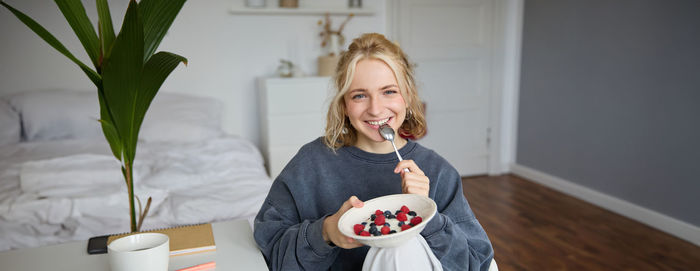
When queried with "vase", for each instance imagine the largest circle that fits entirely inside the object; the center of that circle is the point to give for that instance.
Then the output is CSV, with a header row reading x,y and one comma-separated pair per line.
x,y
140,251
327,65
289,3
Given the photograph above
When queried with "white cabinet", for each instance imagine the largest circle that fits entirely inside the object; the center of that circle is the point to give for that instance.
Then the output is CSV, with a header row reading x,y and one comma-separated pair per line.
x,y
293,113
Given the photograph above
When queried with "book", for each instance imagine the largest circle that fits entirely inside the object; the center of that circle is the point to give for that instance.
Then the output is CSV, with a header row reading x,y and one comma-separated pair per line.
x,y
184,240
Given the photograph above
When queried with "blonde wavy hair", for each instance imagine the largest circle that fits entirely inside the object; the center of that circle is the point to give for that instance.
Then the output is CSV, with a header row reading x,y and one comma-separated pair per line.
x,y
339,131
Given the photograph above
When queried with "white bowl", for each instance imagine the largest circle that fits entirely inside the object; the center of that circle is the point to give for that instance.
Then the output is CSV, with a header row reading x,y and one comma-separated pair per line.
x,y
422,205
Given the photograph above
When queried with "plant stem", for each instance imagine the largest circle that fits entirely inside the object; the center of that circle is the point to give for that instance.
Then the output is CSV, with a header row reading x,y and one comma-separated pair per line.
x,y
130,187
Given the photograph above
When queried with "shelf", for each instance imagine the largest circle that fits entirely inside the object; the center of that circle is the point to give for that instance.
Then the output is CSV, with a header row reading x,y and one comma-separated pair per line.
x,y
240,8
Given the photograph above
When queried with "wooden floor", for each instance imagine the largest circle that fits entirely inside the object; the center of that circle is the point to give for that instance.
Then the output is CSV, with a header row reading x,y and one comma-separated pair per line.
x,y
533,227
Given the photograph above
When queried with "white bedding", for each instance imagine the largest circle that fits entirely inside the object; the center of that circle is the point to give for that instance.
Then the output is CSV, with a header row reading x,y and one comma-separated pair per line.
x,y
63,190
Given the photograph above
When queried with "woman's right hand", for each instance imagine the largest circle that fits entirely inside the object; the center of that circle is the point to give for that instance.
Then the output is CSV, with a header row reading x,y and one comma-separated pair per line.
x,y
330,226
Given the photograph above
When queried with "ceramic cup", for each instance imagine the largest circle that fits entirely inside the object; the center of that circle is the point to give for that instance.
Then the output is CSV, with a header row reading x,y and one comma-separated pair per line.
x,y
141,251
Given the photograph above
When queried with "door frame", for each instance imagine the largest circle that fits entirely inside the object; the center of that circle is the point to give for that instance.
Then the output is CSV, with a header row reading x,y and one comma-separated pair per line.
x,y
503,114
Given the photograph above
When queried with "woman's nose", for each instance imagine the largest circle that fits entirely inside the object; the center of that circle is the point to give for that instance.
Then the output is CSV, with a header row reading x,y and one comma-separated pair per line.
x,y
375,106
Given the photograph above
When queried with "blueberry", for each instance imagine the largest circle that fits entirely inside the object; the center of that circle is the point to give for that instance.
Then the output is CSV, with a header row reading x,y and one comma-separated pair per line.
x,y
364,223
397,212
377,233
391,217
412,213
411,224
387,224
387,213
372,224
372,217
392,231
401,223
372,230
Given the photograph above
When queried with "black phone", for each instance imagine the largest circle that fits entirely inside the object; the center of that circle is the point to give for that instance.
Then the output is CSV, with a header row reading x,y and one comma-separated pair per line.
x,y
97,245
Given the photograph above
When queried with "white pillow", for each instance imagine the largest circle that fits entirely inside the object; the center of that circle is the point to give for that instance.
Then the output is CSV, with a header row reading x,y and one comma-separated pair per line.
x,y
181,118
10,130
57,114
62,114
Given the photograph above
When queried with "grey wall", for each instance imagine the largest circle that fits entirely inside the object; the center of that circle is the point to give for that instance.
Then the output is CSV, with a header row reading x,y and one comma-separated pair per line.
x,y
610,99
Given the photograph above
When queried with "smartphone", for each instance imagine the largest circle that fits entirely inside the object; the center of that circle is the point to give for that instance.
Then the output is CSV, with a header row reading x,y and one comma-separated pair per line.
x,y
97,245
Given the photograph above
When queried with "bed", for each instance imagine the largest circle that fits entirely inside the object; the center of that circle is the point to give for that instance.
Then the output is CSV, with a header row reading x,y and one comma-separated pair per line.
x,y
59,181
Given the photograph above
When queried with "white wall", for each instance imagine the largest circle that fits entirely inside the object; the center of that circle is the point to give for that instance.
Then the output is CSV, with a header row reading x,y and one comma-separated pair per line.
x,y
226,52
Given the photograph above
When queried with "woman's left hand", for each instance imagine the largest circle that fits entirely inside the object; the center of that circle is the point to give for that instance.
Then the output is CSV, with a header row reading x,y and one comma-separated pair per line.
x,y
413,182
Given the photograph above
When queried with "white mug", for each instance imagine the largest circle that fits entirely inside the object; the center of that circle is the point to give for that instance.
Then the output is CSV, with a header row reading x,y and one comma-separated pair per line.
x,y
141,251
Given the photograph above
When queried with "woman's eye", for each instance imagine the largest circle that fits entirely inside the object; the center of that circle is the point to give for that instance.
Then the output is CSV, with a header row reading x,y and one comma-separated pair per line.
x,y
358,96
390,91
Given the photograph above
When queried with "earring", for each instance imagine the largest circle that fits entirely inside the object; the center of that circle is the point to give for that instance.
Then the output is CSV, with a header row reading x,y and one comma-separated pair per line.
x,y
409,113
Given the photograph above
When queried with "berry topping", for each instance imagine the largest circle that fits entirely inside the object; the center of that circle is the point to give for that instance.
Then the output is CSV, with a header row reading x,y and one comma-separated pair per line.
x,y
405,227
378,212
385,230
358,228
405,209
364,233
401,216
416,220
380,220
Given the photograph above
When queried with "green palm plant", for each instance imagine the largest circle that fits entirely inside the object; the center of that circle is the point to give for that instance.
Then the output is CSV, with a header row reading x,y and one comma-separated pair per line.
x,y
127,71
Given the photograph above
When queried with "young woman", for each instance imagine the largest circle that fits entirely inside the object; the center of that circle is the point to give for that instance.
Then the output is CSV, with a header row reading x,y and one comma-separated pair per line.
x,y
297,226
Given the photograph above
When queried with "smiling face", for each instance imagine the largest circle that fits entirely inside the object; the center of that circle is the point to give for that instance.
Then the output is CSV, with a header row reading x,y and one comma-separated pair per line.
x,y
373,99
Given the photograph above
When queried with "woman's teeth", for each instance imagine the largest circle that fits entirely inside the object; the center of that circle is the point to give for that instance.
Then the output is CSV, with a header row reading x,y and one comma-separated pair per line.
x,y
378,122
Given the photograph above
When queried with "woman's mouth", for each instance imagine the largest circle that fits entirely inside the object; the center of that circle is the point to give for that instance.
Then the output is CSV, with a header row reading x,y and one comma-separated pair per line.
x,y
376,123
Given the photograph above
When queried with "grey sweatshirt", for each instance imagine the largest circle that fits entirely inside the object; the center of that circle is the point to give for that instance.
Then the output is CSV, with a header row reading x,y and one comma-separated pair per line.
x,y
317,181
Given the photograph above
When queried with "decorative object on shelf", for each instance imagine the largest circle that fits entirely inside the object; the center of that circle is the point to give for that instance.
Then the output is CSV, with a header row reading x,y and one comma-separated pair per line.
x,y
127,71
335,40
355,3
255,3
288,69
289,3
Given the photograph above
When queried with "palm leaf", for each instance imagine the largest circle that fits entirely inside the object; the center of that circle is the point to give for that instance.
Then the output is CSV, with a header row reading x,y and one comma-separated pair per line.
x,y
121,76
51,40
157,16
156,70
108,128
75,14
106,30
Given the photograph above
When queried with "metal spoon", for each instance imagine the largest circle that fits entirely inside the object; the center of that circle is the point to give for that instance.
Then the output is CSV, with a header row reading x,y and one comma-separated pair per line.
x,y
388,133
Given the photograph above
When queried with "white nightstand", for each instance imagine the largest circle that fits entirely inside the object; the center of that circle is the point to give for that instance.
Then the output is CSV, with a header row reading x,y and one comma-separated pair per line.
x,y
293,113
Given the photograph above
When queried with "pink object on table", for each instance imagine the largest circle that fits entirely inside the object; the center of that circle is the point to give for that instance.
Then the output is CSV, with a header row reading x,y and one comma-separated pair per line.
x,y
200,267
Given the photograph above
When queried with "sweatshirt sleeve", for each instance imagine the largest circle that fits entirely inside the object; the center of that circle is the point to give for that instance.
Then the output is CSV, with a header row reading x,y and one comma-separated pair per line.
x,y
454,234
286,242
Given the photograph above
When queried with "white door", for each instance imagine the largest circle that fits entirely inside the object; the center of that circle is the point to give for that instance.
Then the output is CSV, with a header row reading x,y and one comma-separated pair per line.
x,y
451,44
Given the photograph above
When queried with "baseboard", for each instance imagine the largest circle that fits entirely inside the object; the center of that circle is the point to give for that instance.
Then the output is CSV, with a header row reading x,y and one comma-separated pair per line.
x,y
678,228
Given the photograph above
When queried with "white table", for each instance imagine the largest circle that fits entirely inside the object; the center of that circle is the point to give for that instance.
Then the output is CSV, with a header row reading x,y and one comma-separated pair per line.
x,y
235,250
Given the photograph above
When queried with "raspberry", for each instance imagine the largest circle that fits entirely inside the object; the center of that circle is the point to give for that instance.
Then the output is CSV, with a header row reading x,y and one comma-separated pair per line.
x,y
380,220
385,230
416,220
405,209
405,227
378,212
364,233
401,216
358,228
